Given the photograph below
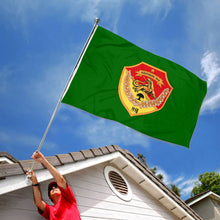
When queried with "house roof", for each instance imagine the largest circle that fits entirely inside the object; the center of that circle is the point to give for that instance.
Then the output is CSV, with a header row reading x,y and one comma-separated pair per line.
x,y
6,158
123,159
199,197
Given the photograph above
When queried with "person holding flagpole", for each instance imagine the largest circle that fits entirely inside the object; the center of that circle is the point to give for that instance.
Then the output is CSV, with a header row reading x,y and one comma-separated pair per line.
x,y
60,193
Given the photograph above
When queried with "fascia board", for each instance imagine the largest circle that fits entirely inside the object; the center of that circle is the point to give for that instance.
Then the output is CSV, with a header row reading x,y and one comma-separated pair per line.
x,y
211,194
13,183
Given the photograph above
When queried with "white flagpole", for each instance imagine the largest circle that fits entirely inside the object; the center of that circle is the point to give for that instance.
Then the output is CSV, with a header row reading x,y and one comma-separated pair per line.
x,y
67,86
80,57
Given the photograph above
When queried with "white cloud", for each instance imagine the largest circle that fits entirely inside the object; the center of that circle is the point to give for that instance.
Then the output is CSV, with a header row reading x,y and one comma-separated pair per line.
x,y
203,35
204,29
186,186
211,103
211,70
155,7
178,180
210,67
24,12
183,183
14,139
166,176
102,132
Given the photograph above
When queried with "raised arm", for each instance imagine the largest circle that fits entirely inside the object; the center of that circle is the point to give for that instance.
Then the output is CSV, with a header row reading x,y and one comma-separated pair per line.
x,y
39,157
36,191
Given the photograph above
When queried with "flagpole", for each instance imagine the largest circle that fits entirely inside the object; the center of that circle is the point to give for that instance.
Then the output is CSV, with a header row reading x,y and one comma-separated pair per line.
x,y
66,88
80,57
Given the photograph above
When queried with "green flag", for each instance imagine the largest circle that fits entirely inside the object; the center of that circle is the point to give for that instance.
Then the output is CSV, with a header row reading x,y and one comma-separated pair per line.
x,y
119,81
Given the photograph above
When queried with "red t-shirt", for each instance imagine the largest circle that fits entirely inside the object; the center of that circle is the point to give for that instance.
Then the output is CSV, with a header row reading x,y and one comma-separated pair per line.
x,y
65,209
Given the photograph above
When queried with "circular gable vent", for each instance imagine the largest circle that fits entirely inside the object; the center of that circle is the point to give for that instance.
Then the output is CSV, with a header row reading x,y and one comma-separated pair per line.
x,y
117,183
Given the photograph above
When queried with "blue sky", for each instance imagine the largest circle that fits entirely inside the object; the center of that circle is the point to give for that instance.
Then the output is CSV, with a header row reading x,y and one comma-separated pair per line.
x,y
40,44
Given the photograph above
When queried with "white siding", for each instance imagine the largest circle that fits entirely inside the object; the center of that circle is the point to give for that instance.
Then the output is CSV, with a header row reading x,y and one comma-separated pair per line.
x,y
206,209
94,197
18,205
97,201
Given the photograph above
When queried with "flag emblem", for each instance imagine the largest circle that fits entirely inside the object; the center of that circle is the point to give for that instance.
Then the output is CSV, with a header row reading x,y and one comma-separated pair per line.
x,y
143,89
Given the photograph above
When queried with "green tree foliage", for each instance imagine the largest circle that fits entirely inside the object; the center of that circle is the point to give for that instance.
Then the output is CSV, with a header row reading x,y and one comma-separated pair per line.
x,y
207,181
154,171
175,189
160,176
142,159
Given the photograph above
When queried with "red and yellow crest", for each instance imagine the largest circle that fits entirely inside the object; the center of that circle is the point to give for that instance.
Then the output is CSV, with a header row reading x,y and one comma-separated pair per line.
x,y
143,89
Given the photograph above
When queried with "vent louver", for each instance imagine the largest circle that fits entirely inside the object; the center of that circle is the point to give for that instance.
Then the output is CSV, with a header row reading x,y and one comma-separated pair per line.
x,y
118,182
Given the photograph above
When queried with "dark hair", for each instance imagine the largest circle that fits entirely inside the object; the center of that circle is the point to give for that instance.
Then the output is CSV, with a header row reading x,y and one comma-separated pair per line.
x,y
50,187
